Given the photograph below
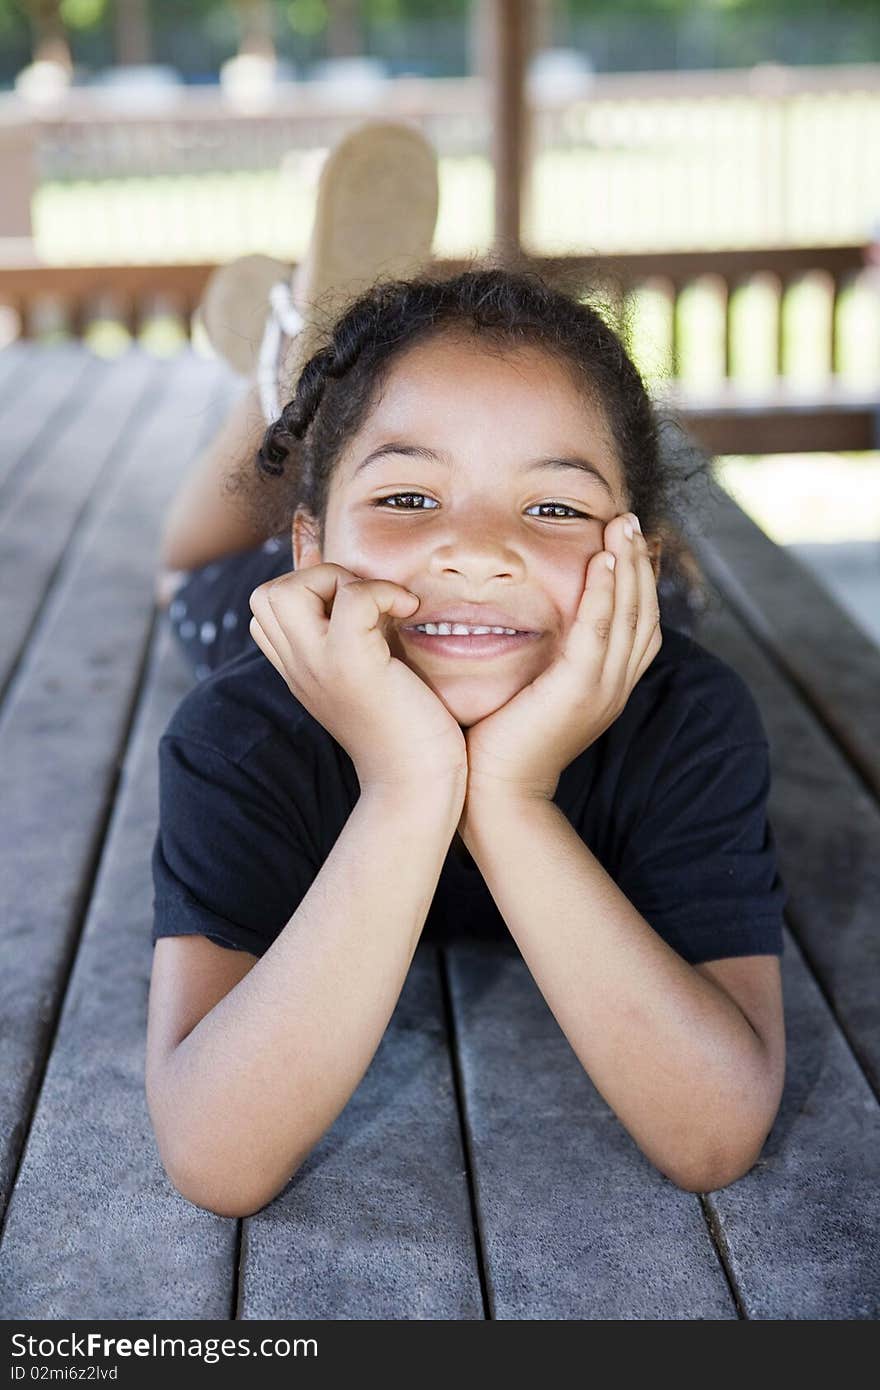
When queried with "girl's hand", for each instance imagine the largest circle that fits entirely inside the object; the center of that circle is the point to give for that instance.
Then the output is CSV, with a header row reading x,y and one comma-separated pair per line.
x,y
523,747
322,629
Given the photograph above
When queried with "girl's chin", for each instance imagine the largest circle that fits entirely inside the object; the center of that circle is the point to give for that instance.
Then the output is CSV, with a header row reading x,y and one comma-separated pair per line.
x,y
471,695
467,711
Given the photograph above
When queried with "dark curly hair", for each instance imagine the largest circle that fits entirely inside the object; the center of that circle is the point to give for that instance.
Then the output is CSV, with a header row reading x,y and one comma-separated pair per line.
x,y
503,308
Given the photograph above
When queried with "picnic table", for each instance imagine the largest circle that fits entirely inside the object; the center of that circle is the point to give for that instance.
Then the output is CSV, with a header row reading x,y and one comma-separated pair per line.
x,y
475,1172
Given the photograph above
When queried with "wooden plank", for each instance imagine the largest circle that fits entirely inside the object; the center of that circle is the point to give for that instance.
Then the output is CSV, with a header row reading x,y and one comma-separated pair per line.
x,y
801,1231
682,266
94,1228
187,281
13,363
826,656
576,1223
828,832
54,393
36,527
377,1223
802,1227
63,729
80,282
744,429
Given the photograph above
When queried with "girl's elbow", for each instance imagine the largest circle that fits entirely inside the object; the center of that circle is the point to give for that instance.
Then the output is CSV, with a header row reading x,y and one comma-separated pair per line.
x,y
717,1169
723,1159
220,1191
710,1179
219,1199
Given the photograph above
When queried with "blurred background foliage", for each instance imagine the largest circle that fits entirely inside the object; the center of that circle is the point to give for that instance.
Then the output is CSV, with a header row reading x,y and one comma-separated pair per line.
x,y
432,39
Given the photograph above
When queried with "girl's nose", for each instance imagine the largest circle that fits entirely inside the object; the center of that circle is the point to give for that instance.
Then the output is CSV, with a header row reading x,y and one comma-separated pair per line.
x,y
478,552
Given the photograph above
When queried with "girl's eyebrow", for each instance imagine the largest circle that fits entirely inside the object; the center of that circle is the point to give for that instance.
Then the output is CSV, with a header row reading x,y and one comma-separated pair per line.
x,y
419,451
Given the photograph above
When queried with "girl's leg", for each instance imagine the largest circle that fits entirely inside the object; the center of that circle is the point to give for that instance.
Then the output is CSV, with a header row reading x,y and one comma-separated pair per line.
x,y
204,522
375,212
209,612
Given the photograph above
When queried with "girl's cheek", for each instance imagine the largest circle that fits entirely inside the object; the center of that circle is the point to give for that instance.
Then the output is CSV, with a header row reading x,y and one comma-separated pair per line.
x,y
379,547
566,582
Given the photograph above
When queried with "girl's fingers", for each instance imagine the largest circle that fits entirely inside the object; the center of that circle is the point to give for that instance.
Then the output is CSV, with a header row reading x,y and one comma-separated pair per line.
x,y
300,612
271,637
625,631
299,603
587,645
360,607
648,637
306,595
266,647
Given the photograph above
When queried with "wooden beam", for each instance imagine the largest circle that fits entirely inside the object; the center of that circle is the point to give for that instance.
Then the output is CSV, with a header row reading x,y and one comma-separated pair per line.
x,y
511,25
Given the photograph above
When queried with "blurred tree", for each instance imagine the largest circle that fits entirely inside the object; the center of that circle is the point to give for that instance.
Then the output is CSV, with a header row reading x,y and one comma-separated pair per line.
x,y
307,18
398,11
83,14
584,8
200,34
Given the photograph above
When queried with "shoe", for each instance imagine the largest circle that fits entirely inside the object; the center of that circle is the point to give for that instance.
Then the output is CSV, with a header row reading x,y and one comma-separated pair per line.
x,y
376,210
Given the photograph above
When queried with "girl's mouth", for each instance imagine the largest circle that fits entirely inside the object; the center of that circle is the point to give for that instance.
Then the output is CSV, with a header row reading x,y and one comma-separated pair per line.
x,y
486,644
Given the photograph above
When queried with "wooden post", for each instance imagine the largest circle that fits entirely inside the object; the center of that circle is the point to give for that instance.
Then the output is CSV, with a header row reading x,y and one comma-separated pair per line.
x,y
131,32
17,179
511,34
344,36
49,35
256,24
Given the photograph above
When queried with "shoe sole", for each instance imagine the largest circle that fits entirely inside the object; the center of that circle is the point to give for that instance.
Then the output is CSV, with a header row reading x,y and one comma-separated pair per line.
x,y
375,215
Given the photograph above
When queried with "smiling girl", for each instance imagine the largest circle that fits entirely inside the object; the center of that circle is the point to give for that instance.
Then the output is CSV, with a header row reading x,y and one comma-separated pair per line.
x,y
461,455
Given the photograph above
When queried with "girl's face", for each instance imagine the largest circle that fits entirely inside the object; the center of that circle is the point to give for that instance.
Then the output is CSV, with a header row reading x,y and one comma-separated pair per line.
x,y
454,489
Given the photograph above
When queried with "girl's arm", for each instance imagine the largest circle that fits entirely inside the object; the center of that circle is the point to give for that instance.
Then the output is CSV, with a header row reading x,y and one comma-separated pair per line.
x,y
695,1079
239,1102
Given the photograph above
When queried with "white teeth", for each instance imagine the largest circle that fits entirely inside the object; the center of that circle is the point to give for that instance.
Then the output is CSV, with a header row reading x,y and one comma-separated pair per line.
x,y
461,630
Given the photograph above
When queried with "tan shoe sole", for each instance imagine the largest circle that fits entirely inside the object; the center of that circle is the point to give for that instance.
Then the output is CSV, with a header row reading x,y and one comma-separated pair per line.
x,y
374,220
234,305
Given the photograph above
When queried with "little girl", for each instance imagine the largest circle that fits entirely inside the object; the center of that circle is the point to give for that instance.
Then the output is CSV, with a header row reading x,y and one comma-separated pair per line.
x,y
460,712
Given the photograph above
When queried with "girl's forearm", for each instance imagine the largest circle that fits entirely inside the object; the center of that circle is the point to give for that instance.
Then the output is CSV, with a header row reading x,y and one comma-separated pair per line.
x,y
670,1052
264,1074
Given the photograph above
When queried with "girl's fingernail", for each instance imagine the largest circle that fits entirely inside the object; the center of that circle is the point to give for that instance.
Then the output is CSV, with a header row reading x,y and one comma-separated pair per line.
x,y
610,560
636,522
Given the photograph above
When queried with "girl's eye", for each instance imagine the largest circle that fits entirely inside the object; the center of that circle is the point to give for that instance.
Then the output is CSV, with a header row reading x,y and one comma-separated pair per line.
x,y
408,496
394,498
559,507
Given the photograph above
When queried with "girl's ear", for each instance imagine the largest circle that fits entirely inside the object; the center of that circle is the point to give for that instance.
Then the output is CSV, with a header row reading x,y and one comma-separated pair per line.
x,y
304,540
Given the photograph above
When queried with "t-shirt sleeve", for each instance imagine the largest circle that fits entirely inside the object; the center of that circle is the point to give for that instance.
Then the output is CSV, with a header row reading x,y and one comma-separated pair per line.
x,y
229,862
700,865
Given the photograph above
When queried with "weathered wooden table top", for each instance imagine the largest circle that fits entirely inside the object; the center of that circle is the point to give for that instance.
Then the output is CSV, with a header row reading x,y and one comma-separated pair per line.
x,y
476,1172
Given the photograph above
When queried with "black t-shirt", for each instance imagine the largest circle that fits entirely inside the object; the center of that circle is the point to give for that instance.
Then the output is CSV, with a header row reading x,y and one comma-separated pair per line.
x,y
253,793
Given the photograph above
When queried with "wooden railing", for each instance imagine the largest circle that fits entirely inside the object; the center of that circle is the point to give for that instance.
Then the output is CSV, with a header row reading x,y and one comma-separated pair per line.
x,y
726,415
743,146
